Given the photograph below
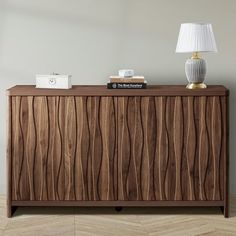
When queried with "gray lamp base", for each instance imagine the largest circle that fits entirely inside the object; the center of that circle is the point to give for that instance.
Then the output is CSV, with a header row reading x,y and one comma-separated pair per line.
x,y
195,69
196,86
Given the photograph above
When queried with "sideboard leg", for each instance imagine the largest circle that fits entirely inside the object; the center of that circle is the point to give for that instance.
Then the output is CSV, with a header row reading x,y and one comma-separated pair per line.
x,y
226,211
10,211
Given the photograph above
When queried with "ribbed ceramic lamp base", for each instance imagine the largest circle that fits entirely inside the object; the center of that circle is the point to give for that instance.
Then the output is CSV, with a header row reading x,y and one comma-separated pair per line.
x,y
195,69
196,86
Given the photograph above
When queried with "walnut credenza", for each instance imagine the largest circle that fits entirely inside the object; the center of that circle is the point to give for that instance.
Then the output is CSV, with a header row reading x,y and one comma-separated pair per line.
x,y
89,146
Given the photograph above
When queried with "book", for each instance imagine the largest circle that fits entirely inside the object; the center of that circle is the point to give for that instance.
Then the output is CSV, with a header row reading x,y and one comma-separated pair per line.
x,y
134,79
126,85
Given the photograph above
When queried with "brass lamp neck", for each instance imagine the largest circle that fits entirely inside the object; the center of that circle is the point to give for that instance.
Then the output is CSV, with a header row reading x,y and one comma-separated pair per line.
x,y
195,55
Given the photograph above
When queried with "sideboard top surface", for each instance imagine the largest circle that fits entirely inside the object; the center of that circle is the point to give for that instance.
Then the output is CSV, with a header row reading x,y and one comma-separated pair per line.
x,y
101,90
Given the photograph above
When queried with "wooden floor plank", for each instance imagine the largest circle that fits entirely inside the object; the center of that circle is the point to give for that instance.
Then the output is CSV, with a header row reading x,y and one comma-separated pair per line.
x,y
152,221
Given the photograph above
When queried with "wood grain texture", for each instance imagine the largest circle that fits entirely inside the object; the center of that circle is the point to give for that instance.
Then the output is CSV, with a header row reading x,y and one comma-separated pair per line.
x,y
165,147
64,148
31,146
162,150
216,130
55,149
96,146
42,136
132,148
107,118
17,147
149,147
118,203
178,145
70,142
191,143
124,150
101,90
83,147
203,148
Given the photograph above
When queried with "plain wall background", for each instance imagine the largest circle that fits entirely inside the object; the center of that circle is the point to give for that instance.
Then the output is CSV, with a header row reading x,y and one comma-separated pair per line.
x,y
92,39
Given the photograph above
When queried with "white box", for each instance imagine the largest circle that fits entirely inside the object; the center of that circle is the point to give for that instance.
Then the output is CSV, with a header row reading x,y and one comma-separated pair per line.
x,y
53,81
126,73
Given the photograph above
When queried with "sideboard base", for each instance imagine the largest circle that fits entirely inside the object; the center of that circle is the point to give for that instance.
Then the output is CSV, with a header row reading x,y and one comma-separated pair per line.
x,y
15,204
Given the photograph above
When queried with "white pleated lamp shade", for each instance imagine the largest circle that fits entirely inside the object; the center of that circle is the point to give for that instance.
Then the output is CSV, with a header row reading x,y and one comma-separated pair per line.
x,y
196,37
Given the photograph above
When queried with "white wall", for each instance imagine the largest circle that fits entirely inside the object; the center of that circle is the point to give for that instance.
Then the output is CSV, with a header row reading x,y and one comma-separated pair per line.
x,y
92,39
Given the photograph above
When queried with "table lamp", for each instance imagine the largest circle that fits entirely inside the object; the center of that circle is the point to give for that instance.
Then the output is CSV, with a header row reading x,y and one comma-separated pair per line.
x,y
195,38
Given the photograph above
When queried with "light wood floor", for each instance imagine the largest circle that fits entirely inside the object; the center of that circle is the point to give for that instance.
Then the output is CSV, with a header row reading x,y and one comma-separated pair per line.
x,y
132,221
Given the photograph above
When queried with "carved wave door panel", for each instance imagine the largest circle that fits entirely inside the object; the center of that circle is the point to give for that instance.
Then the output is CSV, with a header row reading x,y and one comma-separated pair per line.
x,y
118,148
64,148
171,148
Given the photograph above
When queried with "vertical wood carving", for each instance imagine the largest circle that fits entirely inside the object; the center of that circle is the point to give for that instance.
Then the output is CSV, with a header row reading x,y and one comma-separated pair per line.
x,y
149,147
224,162
55,149
118,148
162,150
216,130
93,108
83,147
203,148
170,180
136,130
31,146
24,180
178,145
18,146
108,136
191,147
124,148
130,148
70,142
42,136
60,170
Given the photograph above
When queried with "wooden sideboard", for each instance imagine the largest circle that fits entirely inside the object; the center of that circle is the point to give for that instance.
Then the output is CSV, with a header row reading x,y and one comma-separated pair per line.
x,y
90,146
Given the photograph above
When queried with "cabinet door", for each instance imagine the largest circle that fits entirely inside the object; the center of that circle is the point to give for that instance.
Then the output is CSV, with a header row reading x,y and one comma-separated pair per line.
x,y
171,148
63,148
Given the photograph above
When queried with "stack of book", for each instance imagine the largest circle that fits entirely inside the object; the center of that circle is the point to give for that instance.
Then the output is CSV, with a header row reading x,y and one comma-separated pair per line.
x,y
121,82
